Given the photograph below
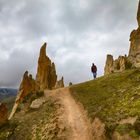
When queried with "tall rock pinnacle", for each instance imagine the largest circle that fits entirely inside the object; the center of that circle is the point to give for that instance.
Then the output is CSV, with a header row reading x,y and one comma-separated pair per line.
x,y
46,78
134,52
46,74
138,14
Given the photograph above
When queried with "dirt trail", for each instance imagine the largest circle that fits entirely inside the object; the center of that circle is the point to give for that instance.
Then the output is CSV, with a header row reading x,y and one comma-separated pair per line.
x,y
73,117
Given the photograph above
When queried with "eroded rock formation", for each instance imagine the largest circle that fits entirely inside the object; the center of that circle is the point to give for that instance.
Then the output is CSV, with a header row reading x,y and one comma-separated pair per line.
x,y
3,114
45,79
109,64
134,52
133,59
118,65
46,74
138,14
60,83
27,86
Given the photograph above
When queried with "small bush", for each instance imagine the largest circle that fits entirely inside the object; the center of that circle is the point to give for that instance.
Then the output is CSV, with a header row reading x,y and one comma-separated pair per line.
x,y
133,134
124,128
40,93
137,126
128,65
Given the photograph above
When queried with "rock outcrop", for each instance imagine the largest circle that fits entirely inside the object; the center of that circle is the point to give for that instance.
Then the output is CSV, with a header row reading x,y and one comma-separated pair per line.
x,y
133,59
45,79
46,74
134,52
60,83
109,65
3,114
118,65
27,86
138,14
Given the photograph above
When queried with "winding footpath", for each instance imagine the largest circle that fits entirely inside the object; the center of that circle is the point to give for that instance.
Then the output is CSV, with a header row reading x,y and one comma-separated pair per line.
x,y
72,116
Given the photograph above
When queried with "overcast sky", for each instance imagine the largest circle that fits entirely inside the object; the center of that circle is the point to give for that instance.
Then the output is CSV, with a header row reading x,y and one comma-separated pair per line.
x,y
78,32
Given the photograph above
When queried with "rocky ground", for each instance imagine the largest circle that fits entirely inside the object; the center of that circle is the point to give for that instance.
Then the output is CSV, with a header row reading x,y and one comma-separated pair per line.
x,y
54,116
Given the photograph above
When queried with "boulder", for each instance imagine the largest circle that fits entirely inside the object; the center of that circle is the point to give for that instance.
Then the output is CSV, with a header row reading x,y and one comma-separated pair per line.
x,y
37,103
3,114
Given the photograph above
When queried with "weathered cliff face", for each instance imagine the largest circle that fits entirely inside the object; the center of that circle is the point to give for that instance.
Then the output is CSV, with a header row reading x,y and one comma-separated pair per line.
x,y
60,83
134,52
46,74
118,65
3,114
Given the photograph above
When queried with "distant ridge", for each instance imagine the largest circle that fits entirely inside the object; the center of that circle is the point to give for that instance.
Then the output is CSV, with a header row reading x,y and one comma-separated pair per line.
x,y
7,93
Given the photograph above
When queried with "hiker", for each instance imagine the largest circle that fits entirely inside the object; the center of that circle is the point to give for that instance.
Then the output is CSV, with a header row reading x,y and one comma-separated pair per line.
x,y
94,70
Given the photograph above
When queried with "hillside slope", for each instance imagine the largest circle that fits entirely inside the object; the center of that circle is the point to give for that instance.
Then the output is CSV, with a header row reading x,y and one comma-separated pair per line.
x,y
115,100
107,108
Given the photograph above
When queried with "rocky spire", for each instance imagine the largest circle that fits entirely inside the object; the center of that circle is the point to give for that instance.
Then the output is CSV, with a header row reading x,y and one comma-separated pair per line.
x,y
45,79
46,73
134,51
27,86
60,83
109,64
138,14
53,76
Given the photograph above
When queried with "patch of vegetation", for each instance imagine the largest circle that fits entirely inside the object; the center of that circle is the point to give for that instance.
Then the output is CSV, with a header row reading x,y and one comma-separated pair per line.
x,y
28,100
133,134
7,130
124,128
137,126
111,98
37,125
32,96
128,65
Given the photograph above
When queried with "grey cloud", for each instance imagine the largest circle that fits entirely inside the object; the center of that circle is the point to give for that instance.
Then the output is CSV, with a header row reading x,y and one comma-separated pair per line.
x,y
78,33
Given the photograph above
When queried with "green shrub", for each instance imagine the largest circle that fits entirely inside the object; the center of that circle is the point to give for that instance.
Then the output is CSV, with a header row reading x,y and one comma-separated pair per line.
x,y
137,126
133,134
124,128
